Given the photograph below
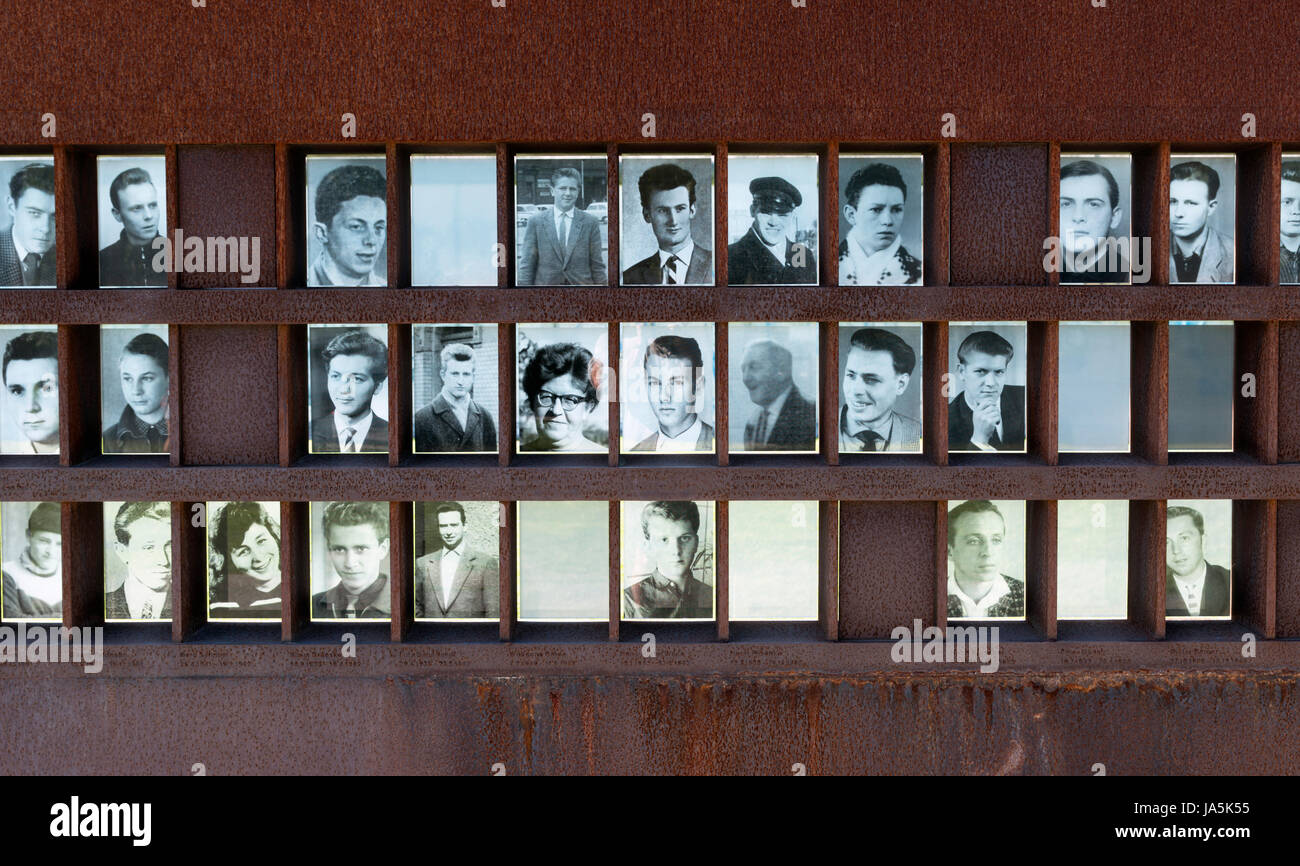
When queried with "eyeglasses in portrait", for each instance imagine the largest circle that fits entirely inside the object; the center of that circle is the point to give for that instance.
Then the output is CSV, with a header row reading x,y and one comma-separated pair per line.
x,y
667,551
880,388
132,221
454,219
772,218
135,387
666,215
773,379
561,220
560,398
882,219
31,562
29,410
243,561
347,215
137,562
27,226
667,385
347,389
987,384
350,562
986,559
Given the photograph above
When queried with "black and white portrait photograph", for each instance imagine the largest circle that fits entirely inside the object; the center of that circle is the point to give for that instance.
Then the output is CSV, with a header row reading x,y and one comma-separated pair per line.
x,y
667,387
1095,215
27,254
1092,559
773,558
347,219
29,409
134,383
132,214
1093,413
456,573
1290,274
666,219
561,220
453,219
243,561
986,559
882,219
1198,559
772,386
772,214
1202,385
880,388
454,383
137,562
560,398
986,409
1202,218
349,561
31,559
347,389
563,561
667,557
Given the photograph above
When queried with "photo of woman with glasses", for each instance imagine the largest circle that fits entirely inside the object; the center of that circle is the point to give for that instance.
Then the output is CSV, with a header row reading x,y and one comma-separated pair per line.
x,y
560,393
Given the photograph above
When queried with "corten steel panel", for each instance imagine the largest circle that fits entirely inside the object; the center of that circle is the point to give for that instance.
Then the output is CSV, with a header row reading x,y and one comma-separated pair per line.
x,y
1288,569
230,409
999,724
887,563
228,192
999,215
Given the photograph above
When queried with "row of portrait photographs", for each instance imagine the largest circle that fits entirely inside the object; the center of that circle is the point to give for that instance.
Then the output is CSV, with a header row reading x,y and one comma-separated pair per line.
x,y
667,561
986,560
667,391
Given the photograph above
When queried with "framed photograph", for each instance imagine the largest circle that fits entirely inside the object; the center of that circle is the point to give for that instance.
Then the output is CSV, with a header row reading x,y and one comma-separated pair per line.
x,y
561,220
667,560
244,561
347,211
137,562
453,219
31,560
135,385
1290,274
773,209
350,561
986,559
132,215
454,389
563,567
987,364
1095,244
457,576
1202,218
347,389
1092,559
773,387
1093,403
1202,385
666,219
27,253
880,388
882,219
667,385
29,411
1198,559
561,388
773,561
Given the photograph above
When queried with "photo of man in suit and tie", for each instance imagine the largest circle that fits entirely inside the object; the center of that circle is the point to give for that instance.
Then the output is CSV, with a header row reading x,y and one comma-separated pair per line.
x,y
987,414
670,195
354,366
780,416
675,373
140,537
776,247
1198,251
877,372
562,245
456,579
27,244
1195,588
454,421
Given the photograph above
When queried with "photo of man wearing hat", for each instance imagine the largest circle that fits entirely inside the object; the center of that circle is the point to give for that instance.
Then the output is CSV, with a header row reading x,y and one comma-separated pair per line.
x,y
766,254
33,580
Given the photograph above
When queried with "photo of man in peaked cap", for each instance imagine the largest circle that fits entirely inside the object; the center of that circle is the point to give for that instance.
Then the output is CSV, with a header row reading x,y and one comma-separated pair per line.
x,y
766,255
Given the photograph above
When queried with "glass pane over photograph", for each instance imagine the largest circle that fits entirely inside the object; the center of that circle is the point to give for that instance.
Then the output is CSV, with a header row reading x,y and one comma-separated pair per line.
x,y
668,552
453,219
563,571
880,388
1093,387
135,389
986,559
987,368
772,219
1092,559
772,566
1198,559
773,386
667,387
1202,385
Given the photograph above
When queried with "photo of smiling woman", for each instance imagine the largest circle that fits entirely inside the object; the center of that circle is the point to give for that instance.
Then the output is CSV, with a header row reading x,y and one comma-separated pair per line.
x,y
134,386
243,561
347,391
560,397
